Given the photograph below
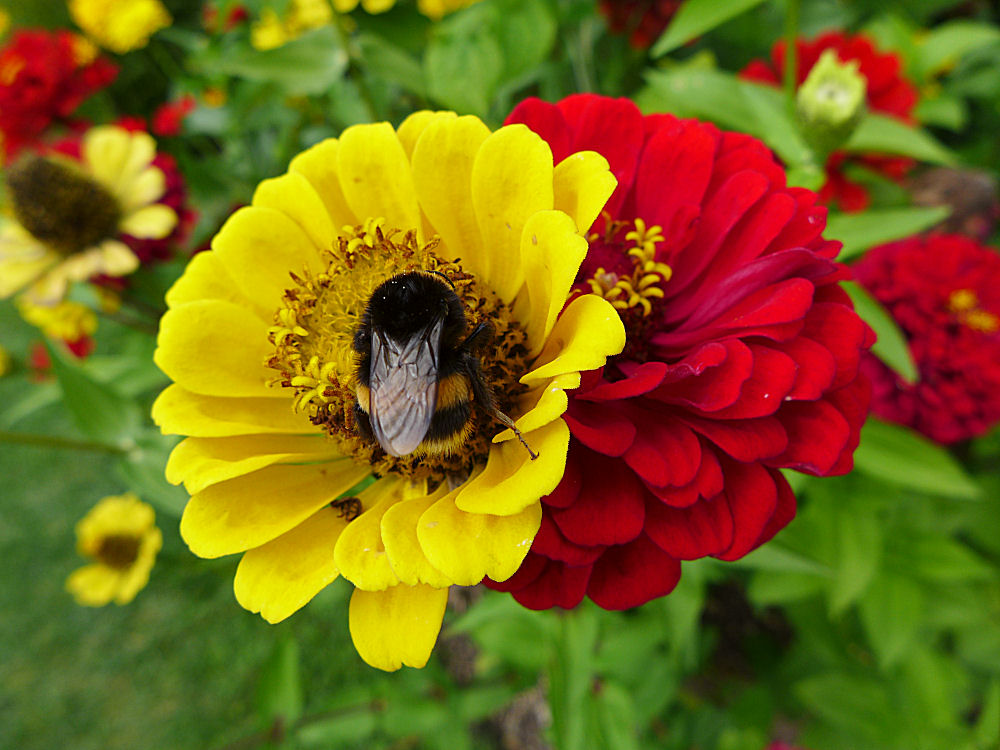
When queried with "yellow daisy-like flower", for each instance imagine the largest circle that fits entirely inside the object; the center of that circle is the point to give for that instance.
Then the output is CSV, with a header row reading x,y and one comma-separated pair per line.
x,y
68,215
119,25
65,321
259,341
119,534
271,31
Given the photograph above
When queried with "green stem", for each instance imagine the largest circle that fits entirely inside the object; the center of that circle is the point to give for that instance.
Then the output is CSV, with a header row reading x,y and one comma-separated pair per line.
x,y
358,70
52,441
791,52
136,324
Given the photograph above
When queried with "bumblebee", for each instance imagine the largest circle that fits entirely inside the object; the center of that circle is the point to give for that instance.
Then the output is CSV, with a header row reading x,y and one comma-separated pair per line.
x,y
418,376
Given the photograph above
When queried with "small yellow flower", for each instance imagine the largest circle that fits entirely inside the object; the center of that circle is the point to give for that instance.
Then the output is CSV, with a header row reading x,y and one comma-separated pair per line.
x,y
65,321
120,25
120,535
258,340
68,216
271,31
436,9
370,6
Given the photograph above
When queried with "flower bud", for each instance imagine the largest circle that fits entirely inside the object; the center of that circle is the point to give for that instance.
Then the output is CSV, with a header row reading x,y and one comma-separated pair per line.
x,y
831,102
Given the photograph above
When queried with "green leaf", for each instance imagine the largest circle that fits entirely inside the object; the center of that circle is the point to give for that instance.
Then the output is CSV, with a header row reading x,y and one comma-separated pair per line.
x,y
988,725
774,557
886,135
143,471
526,30
901,456
776,127
341,731
890,345
768,588
97,409
867,229
853,704
463,66
890,613
942,111
690,91
939,558
615,716
310,64
383,58
941,48
696,17
279,689
858,535
570,677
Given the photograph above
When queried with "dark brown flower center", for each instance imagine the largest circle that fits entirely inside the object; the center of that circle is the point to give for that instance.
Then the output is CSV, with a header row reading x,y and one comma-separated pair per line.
x,y
60,206
315,358
118,551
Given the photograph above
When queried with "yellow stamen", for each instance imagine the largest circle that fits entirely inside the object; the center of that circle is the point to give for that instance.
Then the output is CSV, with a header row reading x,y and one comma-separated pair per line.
x,y
647,277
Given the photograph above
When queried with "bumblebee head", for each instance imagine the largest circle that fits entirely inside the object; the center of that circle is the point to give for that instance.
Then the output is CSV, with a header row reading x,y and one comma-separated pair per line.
x,y
409,303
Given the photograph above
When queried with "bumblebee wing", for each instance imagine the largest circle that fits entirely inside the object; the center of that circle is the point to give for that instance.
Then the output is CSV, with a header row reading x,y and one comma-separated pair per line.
x,y
404,388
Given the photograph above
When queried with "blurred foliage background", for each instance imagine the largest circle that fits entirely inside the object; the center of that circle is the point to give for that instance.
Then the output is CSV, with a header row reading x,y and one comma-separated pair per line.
x,y
872,621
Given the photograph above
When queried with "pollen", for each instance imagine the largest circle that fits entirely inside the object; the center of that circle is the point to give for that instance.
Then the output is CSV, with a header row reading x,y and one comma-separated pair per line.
x,y
314,357
60,206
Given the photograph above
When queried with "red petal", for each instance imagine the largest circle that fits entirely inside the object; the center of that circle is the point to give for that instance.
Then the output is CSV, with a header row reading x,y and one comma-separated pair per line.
x,y
744,439
610,508
549,542
664,451
599,427
714,387
558,585
816,367
639,379
568,490
547,120
706,528
817,435
632,574
530,569
752,499
784,510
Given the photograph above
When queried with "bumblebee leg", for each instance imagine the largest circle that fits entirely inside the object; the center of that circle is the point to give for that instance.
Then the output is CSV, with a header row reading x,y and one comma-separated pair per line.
x,y
483,395
480,336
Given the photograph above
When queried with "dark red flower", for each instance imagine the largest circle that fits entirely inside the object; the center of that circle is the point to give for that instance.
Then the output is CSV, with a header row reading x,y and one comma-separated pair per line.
x,y
642,20
169,116
889,93
175,196
44,76
742,358
210,19
944,292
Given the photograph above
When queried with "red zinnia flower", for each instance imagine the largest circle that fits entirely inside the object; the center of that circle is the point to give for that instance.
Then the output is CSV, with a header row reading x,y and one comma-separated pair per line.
x,y
742,358
888,94
169,116
175,196
944,292
44,76
642,20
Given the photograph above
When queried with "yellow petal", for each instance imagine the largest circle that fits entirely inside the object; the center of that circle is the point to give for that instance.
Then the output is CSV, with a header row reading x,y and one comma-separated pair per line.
x,y
511,180
442,173
93,585
180,412
251,510
202,462
410,129
152,222
206,278
293,195
319,165
359,553
106,150
217,349
375,176
116,259
280,577
542,405
399,535
551,253
148,186
512,480
586,334
259,247
397,626
583,184
466,547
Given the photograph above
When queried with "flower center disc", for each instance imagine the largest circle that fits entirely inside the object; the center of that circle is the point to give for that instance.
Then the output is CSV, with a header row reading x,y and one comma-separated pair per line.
x,y
118,551
60,206
314,355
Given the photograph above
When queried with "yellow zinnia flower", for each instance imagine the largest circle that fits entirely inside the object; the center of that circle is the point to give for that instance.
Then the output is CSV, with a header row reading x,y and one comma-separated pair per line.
x,y
259,341
65,321
271,31
68,215
119,534
119,25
